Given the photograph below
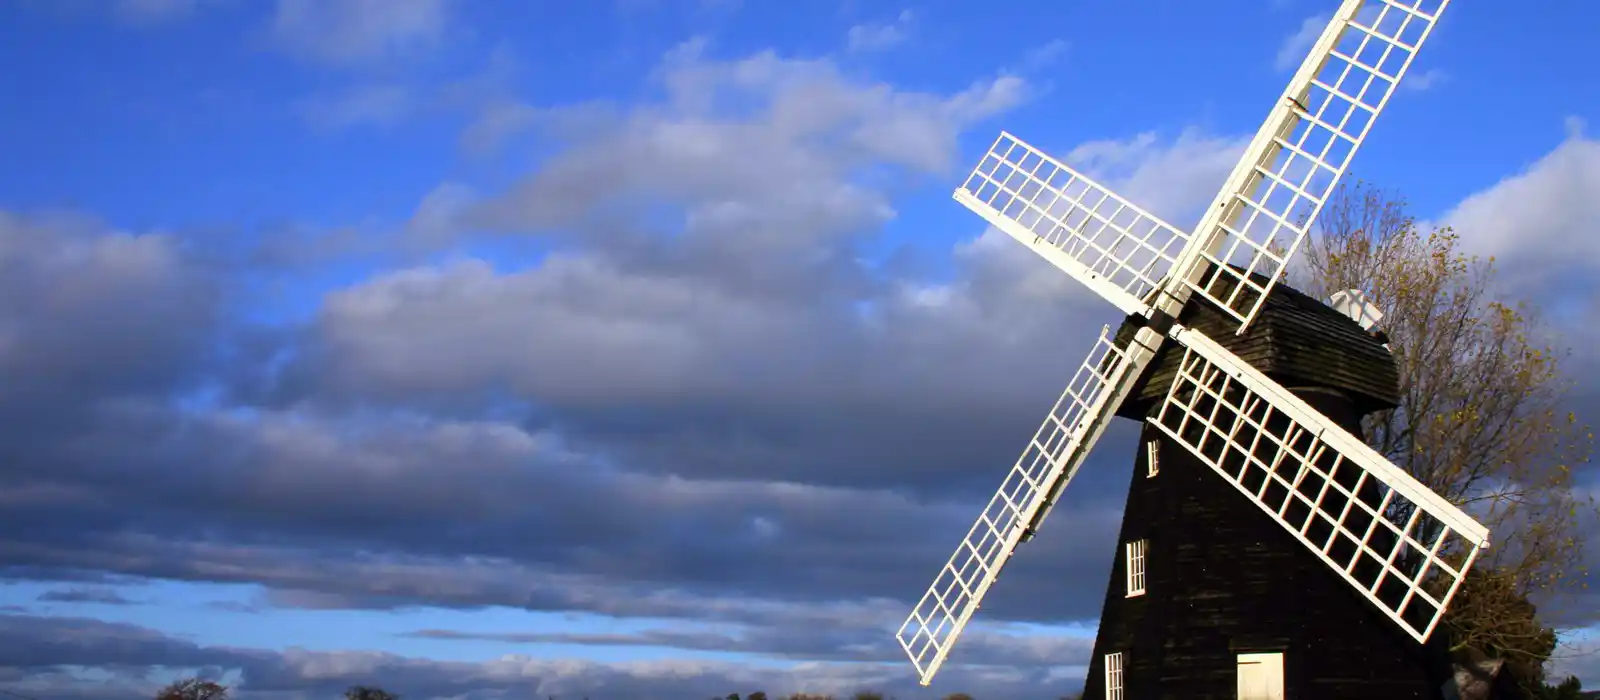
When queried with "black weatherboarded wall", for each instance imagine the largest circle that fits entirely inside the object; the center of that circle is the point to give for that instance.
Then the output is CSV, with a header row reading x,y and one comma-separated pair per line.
x,y
1222,578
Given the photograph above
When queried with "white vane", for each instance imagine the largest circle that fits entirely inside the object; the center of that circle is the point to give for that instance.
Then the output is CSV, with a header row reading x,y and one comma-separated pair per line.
x,y
1354,304
1047,464
1395,542
1105,241
1381,530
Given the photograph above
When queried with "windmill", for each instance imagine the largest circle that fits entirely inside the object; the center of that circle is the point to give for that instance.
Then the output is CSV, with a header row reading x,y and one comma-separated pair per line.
x,y
1376,535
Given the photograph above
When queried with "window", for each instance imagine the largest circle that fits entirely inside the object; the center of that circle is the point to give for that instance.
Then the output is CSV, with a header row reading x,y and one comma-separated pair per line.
x,y
1152,454
1114,676
1136,567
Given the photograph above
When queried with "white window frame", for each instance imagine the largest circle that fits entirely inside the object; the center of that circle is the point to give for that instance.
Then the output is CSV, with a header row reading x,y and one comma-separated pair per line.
x,y
1136,552
1152,457
1114,676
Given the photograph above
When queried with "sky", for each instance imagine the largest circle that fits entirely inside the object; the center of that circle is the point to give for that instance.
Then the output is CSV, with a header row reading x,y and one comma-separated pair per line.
x,y
633,348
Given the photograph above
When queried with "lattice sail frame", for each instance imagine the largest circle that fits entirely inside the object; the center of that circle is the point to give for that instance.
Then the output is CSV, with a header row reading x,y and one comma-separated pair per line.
x,y
1323,485
1258,222
1291,166
1048,463
1264,212
1106,242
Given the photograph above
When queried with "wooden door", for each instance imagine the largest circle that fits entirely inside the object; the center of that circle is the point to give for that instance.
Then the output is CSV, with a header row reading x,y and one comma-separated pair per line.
x,y
1261,676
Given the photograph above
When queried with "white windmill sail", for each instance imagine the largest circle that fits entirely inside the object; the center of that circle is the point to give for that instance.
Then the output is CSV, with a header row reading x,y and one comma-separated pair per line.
x,y
1047,464
1102,240
1257,222
1396,542
1262,214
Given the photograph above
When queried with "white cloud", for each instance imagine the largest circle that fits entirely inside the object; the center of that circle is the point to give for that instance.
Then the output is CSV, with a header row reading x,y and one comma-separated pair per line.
x,y
155,10
1542,226
348,32
1540,221
814,125
1045,55
1578,655
496,122
1171,178
382,104
877,37
1425,80
1294,49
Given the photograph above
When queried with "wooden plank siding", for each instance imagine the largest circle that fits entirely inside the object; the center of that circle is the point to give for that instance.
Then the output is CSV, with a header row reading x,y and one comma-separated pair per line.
x,y
1221,577
1296,339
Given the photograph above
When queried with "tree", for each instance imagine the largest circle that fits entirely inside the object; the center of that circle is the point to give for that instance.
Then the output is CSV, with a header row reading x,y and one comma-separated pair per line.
x,y
367,692
1569,689
193,689
1480,419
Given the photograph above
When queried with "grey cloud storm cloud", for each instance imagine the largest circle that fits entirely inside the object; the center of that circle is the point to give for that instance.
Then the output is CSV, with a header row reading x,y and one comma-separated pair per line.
x,y
36,650
744,424
702,406
95,595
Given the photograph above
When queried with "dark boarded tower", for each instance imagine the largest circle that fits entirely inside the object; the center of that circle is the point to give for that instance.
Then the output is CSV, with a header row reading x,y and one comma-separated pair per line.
x,y
1206,589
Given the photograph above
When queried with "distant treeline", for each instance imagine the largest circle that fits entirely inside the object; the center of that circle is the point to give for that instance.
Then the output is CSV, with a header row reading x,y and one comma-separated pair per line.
x,y
201,689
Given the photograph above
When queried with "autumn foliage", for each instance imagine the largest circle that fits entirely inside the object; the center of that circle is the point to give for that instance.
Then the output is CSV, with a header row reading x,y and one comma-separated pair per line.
x,y
1481,421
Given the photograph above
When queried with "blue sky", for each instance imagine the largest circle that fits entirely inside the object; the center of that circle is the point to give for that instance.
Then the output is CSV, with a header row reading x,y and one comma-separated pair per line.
x,y
385,255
